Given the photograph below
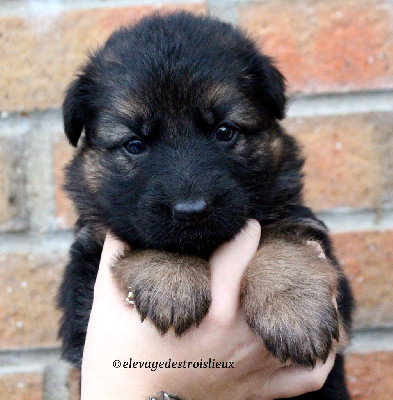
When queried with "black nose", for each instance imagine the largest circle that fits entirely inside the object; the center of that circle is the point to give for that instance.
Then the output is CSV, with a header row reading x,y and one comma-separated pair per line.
x,y
191,210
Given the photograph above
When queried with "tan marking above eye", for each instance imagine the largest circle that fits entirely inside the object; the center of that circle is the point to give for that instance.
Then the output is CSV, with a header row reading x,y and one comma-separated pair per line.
x,y
276,148
90,167
125,105
241,112
241,144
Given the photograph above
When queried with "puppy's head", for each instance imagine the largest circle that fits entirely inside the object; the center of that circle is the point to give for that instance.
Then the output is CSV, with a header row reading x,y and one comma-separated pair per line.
x,y
181,143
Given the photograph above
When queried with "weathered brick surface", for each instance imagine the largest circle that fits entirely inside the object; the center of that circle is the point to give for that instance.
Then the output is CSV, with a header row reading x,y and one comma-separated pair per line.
x,y
21,387
62,153
367,261
369,376
12,179
28,286
323,45
349,159
41,52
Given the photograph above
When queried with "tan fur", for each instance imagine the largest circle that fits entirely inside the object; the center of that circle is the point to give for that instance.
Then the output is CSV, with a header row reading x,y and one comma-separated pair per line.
x,y
218,92
244,114
276,149
127,106
169,289
94,169
91,168
287,297
240,147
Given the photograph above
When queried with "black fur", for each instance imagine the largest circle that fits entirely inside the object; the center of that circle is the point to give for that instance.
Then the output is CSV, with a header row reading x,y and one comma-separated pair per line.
x,y
172,81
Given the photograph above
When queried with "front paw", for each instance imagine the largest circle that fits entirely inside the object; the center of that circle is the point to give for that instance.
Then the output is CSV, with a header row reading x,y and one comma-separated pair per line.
x,y
287,297
171,290
164,396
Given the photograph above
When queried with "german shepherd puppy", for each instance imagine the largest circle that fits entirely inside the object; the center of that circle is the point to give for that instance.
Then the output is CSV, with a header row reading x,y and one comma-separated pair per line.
x,y
181,146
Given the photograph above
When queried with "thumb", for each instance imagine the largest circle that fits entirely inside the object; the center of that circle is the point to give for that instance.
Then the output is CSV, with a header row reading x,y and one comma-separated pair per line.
x,y
104,287
228,264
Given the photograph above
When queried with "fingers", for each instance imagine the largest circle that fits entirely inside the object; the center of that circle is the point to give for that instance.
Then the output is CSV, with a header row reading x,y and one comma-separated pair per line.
x,y
228,264
293,381
104,286
112,248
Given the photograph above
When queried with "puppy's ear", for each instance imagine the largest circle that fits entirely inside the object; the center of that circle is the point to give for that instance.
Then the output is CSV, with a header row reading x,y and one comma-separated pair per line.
x,y
75,109
271,87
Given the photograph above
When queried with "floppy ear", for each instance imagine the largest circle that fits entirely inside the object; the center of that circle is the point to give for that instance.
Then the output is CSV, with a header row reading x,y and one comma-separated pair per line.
x,y
275,91
271,87
75,109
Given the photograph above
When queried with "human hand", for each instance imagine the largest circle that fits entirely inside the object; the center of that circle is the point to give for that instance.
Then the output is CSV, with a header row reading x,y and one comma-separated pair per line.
x,y
115,332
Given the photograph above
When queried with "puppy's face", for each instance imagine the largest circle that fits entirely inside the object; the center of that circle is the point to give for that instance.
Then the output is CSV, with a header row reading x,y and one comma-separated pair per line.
x,y
181,142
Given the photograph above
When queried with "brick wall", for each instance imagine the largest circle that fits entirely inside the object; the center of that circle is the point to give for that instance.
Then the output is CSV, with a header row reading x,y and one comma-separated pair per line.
x,y
338,59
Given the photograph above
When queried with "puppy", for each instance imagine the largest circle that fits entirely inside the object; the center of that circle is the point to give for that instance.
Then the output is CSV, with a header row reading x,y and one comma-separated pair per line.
x,y
181,146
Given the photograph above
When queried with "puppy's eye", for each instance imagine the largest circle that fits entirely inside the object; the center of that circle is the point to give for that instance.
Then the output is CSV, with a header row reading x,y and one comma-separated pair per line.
x,y
135,146
226,133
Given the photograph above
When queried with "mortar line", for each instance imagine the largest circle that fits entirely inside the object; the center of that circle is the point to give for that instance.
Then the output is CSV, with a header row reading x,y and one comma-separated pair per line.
x,y
371,340
298,106
357,220
340,103
26,360
42,7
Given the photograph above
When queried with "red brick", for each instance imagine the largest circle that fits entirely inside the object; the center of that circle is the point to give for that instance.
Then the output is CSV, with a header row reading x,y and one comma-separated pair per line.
x,y
21,387
324,46
349,159
367,261
41,52
369,376
28,287
12,197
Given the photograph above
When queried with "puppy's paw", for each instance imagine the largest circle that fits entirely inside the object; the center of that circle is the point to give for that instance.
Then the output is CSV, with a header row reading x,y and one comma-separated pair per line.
x,y
164,396
288,299
171,290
